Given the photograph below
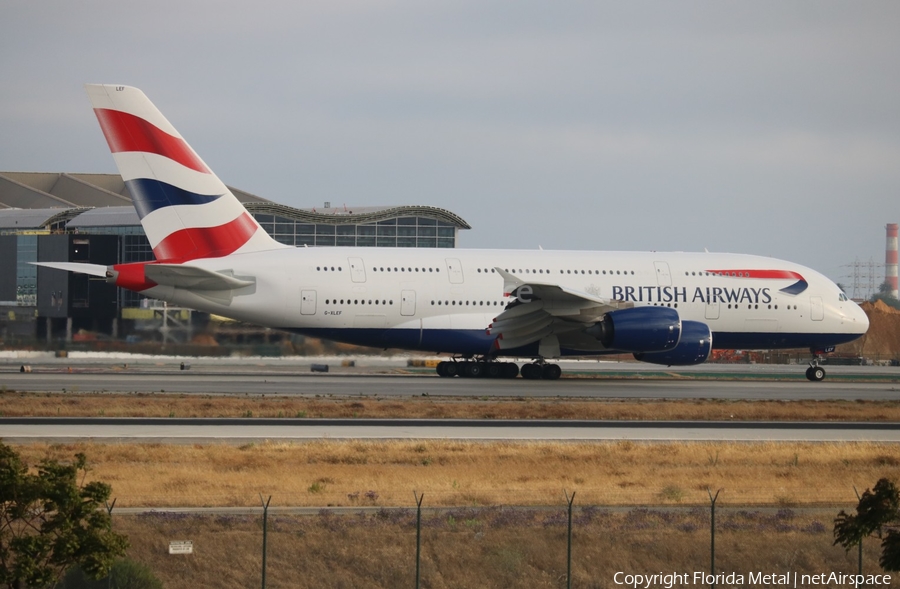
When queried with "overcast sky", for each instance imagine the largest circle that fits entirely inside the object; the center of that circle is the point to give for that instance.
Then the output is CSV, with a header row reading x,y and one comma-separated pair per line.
x,y
760,127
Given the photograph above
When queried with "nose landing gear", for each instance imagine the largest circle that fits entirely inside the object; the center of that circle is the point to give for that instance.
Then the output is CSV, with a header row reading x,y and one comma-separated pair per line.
x,y
816,373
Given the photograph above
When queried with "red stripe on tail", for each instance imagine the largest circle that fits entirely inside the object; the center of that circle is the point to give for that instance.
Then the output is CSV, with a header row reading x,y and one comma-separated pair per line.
x,y
206,242
126,132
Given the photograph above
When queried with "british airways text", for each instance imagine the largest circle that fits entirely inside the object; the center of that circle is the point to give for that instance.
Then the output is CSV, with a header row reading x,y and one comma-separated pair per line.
x,y
679,294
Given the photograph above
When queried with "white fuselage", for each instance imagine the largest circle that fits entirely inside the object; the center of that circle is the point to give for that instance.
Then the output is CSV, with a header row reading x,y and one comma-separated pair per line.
x,y
373,295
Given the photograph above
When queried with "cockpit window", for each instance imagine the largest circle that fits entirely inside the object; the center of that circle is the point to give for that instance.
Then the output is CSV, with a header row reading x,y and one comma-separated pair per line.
x,y
842,297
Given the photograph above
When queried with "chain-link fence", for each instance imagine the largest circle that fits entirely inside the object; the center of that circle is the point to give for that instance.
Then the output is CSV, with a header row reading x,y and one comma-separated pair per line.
x,y
497,546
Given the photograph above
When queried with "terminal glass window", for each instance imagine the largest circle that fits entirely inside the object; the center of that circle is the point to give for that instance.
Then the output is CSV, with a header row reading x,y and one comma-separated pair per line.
x,y
396,232
135,248
26,273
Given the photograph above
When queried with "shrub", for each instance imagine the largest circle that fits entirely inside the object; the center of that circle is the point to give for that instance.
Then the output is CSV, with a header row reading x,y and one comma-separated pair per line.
x,y
125,574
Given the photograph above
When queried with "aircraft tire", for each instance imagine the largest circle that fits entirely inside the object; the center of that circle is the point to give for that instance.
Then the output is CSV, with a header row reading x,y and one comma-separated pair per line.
x,y
815,373
441,369
451,369
531,371
551,372
473,369
510,370
494,369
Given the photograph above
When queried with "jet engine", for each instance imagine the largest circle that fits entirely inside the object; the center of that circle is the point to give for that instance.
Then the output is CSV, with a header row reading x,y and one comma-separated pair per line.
x,y
640,329
693,348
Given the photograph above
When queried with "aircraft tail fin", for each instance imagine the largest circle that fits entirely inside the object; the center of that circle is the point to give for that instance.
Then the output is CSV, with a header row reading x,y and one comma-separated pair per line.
x,y
185,210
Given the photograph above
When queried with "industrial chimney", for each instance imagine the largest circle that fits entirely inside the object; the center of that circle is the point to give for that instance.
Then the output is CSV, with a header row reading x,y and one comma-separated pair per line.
x,y
890,259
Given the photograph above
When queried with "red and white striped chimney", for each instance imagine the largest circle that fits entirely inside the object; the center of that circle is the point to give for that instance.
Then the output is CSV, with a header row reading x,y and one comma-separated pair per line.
x,y
890,259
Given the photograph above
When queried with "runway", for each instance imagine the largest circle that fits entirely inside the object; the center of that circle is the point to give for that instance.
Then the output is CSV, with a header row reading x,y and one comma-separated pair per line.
x,y
258,382
175,430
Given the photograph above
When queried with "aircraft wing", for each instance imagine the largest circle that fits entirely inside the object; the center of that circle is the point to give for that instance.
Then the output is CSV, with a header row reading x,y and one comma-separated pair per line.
x,y
545,310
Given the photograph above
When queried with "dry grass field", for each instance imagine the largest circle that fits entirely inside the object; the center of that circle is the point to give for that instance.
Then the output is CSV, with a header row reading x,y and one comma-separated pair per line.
x,y
450,473
14,404
473,541
485,548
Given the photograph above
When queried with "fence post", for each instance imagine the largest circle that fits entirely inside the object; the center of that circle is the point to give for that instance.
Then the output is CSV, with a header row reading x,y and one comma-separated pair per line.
x,y
860,540
569,500
418,534
109,508
712,535
265,505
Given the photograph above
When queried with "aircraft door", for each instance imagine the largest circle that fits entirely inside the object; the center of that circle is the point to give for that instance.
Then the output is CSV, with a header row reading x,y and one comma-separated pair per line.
x,y
408,302
816,309
454,271
712,310
663,276
357,269
307,302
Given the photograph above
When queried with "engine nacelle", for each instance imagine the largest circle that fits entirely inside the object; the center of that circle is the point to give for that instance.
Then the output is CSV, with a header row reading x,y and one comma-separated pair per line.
x,y
694,347
640,329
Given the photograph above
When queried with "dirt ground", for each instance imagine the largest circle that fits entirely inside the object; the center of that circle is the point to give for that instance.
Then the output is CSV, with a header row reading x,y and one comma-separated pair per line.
x,y
882,342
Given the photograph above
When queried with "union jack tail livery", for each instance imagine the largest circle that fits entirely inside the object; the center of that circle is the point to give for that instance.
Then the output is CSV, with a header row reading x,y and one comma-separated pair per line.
x,y
479,305
186,211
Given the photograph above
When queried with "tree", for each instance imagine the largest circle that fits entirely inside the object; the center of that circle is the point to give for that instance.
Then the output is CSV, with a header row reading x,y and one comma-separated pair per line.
x,y
885,294
878,513
50,520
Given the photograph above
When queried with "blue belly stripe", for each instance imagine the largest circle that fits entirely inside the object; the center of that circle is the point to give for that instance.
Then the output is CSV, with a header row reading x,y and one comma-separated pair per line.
x,y
477,342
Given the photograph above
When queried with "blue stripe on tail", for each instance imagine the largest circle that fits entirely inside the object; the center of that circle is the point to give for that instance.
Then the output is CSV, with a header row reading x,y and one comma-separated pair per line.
x,y
150,195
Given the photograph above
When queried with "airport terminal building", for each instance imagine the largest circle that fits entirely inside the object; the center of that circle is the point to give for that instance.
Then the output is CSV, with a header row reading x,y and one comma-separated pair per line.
x,y
89,218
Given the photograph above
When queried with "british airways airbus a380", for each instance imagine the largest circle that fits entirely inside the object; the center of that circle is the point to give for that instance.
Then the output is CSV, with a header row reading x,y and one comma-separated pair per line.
x,y
478,305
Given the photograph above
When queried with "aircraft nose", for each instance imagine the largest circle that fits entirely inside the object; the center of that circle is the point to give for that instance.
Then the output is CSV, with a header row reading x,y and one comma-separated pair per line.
x,y
858,320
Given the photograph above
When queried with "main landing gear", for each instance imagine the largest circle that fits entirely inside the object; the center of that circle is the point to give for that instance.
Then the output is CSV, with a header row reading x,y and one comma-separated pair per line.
x,y
539,371
477,369
494,369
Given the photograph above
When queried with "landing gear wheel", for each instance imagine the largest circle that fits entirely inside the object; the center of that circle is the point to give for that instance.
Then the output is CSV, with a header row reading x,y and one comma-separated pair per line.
x,y
531,371
551,372
473,369
510,370
494,370
815,373
441,369
451,369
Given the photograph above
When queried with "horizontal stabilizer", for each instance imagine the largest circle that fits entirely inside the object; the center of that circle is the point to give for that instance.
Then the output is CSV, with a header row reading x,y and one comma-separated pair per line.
x,y
192,277
92,269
